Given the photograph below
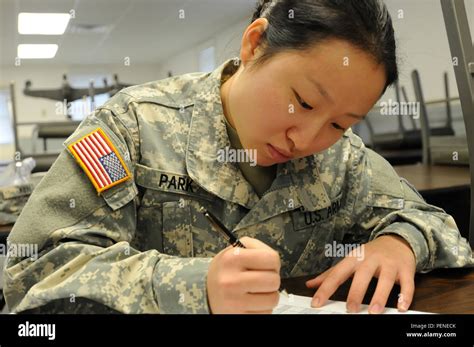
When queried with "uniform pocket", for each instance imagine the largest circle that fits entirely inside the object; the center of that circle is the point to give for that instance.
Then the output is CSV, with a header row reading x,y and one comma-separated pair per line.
x,y
169,217
177,230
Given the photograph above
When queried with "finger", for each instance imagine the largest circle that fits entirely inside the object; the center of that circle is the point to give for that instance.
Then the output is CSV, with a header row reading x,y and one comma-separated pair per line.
x,y
261,302
407,284
359,285
257,259
339,275
384,287
260,281
316,282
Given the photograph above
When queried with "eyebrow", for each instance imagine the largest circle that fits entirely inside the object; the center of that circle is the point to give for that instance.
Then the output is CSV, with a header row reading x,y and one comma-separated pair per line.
x,y
327,96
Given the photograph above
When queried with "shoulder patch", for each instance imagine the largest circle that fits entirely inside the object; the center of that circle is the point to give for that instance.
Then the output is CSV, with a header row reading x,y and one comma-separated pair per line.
x,y
100,160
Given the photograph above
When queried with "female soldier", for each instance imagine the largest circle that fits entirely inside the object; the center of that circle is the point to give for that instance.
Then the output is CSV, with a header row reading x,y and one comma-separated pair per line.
x,y
117,222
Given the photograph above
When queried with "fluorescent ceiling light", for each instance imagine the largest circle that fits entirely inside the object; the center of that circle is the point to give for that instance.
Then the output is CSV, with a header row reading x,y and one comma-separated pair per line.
x,y
36,51
43,23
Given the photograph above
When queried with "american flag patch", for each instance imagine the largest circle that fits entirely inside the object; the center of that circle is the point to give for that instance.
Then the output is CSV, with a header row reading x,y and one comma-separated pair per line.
x,y
100,160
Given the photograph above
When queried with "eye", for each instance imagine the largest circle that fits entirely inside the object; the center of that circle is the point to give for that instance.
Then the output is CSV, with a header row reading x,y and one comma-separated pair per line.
x,y
301,102
337,126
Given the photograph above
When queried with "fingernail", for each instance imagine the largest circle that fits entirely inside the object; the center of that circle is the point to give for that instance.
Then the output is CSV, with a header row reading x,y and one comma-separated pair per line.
x,y
403,306
315,302
351,307
375,309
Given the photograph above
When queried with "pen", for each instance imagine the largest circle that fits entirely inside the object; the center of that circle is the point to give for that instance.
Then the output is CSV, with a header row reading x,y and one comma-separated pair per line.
x,y
228,235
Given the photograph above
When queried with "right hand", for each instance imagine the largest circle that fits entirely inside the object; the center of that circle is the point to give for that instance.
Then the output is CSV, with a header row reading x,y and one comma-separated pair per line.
x,y
244,280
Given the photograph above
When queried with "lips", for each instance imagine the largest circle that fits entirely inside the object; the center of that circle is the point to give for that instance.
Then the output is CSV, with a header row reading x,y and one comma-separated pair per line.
x,y
282,152
277,154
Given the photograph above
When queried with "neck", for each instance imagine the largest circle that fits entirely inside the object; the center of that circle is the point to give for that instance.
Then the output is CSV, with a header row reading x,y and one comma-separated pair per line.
x,y
225,92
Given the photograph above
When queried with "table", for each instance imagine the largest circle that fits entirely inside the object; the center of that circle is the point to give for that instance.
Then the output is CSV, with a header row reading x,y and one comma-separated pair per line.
x,y
439,291
435,177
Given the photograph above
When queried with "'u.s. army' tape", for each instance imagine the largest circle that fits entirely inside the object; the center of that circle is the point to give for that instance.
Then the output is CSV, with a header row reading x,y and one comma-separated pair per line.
x,y
305,219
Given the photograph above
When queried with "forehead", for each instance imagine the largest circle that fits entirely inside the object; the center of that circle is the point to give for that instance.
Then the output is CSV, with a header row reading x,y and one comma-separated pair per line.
x,y
339,66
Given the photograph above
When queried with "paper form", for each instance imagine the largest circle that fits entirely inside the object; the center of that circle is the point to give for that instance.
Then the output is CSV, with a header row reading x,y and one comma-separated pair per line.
x,y
295,304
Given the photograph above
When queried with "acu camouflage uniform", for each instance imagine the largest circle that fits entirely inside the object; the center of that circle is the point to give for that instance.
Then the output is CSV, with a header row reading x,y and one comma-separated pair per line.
x,y
143,247
12,200
14,197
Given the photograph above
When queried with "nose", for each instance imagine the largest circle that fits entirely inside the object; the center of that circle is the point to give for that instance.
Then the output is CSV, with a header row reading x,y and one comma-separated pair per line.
x,y
304,135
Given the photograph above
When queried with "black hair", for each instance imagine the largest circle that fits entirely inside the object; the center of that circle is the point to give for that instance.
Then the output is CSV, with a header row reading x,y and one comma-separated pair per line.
x,y
300,24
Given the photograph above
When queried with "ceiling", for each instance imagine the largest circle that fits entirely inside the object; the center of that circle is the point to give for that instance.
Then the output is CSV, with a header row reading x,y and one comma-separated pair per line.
x,y
107,31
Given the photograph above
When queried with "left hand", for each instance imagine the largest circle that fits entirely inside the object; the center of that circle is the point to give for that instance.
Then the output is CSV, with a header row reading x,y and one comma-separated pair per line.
x,y
389,258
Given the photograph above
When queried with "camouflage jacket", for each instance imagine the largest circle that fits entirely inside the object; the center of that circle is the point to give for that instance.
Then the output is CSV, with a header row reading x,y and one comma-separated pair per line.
x,y
12,200
14,197
141,246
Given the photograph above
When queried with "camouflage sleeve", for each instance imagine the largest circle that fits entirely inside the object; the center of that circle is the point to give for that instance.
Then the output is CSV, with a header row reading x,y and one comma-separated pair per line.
x,y
384,204
76,253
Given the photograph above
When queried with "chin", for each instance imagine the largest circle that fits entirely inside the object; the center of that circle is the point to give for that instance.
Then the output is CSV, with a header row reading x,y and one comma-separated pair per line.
x,y
265,164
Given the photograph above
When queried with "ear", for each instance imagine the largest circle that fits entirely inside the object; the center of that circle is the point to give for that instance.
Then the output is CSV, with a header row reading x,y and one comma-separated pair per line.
x,y
250,48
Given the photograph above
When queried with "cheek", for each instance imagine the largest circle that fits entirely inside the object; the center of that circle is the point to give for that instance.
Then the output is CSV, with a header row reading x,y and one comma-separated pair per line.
x,y
325,140
322,140
267,112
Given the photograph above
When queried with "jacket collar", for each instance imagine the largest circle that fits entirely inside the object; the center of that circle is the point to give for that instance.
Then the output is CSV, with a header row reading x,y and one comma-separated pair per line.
x,y
208,135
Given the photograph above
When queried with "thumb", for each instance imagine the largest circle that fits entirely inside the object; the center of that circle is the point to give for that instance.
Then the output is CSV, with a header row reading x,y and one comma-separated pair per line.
x,y
252,243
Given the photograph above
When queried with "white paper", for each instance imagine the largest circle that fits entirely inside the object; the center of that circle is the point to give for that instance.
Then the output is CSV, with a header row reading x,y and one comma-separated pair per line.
x,y
295,304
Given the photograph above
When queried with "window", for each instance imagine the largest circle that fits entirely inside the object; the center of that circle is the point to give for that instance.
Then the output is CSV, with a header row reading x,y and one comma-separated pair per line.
x,y
6,131
207,62
79,109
